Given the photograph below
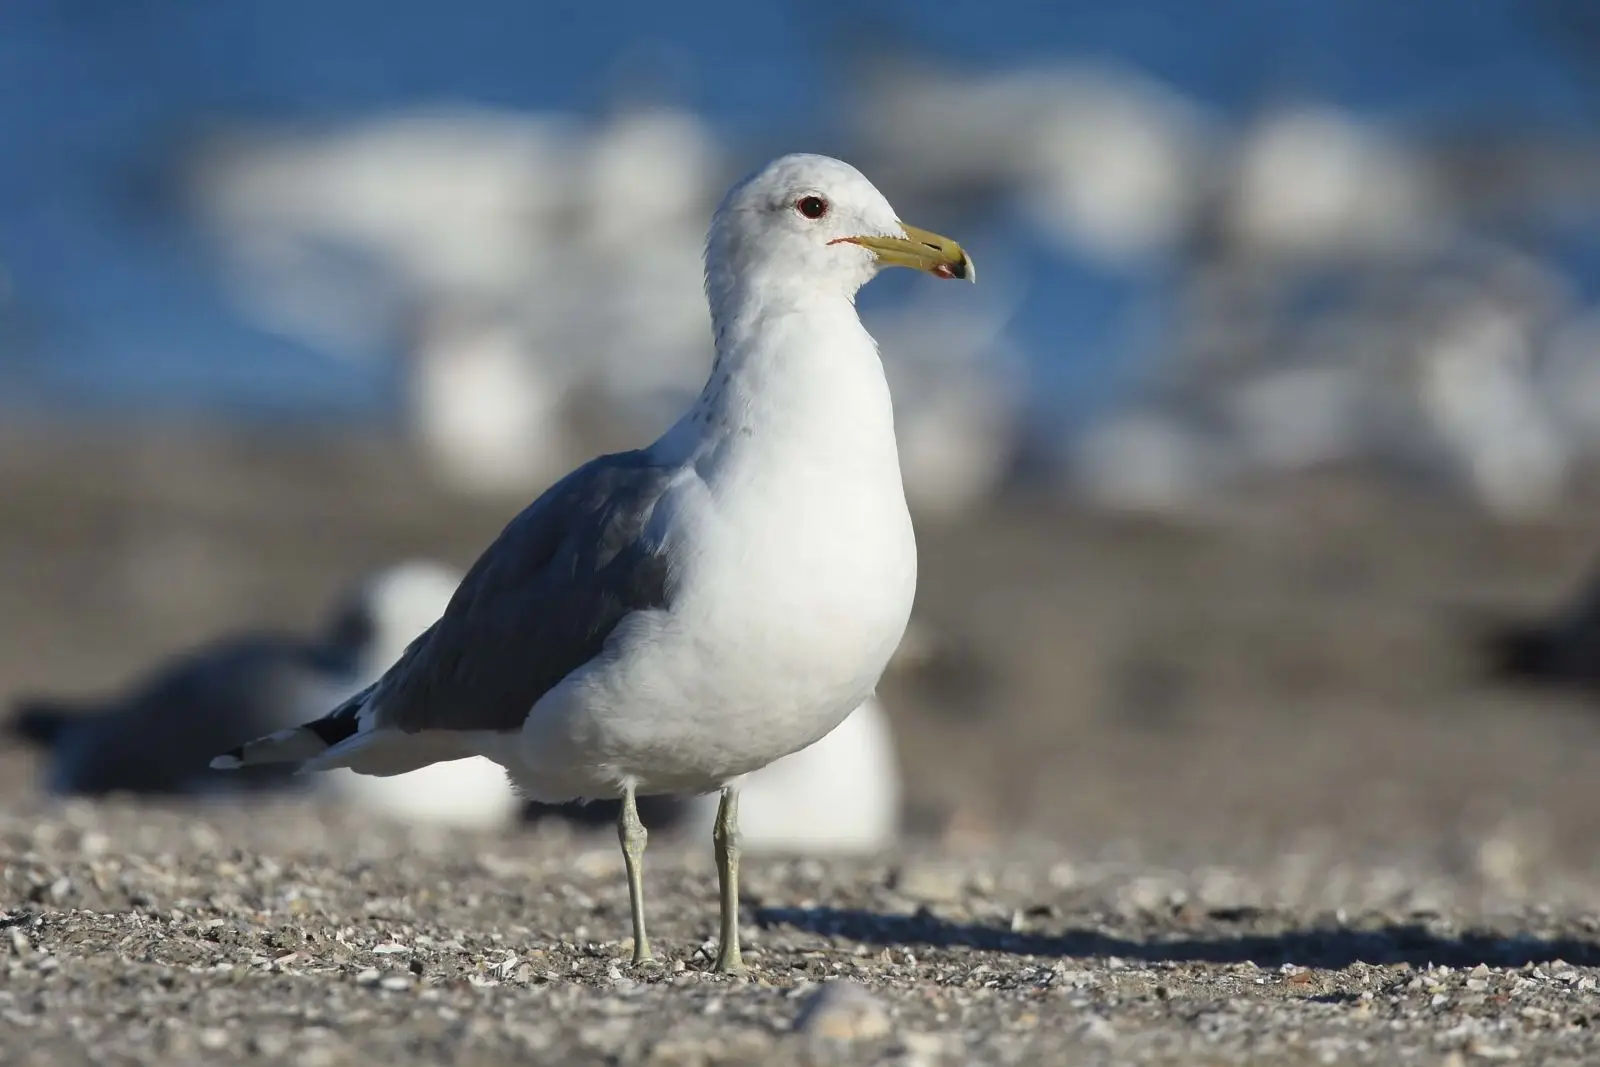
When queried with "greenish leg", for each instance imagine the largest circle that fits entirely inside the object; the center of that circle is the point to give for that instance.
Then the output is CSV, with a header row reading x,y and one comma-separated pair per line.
x,y
632,834
725,839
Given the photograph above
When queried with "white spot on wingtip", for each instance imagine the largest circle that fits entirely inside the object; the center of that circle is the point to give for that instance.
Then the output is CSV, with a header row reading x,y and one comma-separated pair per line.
x,y
227,763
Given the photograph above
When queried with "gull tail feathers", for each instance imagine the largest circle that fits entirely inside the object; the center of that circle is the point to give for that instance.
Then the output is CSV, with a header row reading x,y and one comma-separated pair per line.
x,y
298,744
348,736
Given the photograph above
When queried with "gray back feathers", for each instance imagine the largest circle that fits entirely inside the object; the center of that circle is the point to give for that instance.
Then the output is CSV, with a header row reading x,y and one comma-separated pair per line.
x,y
539,603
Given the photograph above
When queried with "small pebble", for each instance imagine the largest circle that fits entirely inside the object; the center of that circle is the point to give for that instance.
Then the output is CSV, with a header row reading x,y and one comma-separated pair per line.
x,y
1098,1031
843,1010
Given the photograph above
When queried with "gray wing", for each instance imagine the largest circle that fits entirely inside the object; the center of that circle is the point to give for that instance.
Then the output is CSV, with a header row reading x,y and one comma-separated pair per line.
x,y
538,604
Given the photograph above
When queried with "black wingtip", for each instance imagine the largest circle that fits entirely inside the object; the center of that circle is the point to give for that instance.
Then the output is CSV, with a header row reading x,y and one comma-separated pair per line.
x,y
334,728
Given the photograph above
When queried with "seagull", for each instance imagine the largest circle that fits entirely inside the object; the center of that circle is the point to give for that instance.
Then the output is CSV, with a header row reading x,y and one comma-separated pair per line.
x,y
670,619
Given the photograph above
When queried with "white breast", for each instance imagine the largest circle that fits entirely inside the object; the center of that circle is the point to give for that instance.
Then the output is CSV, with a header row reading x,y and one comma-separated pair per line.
x,y
812,561
807,600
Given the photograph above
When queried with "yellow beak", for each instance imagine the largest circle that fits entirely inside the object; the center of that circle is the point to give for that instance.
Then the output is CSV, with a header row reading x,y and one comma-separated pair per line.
x,y
921,249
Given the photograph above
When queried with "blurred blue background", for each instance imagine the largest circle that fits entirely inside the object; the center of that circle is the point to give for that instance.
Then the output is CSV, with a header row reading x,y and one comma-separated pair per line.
x,y
120,291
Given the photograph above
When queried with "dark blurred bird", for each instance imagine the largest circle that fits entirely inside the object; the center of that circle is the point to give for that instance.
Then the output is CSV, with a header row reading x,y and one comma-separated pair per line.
x,y
1559,651
158,736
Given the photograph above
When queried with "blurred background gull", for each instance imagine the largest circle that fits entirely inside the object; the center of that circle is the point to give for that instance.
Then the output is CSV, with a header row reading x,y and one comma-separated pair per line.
x,y
291,293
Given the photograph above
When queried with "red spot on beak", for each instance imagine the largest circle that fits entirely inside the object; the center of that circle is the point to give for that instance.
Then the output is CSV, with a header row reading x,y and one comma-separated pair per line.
x,y
944,270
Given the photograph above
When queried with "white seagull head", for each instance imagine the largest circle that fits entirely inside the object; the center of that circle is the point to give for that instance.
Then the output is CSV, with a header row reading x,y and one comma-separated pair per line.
x,y
818,223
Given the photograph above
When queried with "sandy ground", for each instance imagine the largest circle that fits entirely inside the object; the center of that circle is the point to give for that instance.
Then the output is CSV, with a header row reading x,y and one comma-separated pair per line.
x,y
290,935
1232,791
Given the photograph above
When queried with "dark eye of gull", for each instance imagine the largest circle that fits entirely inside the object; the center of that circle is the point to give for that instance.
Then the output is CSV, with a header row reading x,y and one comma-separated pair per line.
x,y
812,207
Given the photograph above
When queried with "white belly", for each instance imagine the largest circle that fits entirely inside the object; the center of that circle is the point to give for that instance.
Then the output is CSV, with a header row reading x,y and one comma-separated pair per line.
x,y
782,626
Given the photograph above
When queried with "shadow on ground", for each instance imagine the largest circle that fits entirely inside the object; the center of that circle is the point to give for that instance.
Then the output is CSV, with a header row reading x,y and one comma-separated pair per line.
x,y
1332,947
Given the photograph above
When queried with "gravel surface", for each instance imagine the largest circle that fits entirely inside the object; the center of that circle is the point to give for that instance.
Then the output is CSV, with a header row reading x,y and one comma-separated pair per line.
x,y
293,934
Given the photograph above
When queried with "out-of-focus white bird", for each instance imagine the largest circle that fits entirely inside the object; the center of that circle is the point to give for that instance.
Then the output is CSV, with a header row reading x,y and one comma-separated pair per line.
x,y
1476,389
1313,183
340,236
957,381
841,795
489,413
1108,163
